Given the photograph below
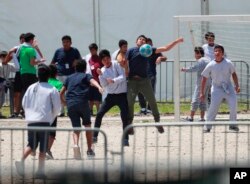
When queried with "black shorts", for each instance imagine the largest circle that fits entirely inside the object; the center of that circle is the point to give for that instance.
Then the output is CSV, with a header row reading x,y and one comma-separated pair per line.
x,y
53,125
35,137
94,94
18,83
27,80
78,112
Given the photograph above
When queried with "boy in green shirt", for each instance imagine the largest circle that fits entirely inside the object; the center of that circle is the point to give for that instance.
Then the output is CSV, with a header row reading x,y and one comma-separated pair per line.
x,y
58,85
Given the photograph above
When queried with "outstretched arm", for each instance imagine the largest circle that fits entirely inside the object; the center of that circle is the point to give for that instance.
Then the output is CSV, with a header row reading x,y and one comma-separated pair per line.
x,y
169,46
94,83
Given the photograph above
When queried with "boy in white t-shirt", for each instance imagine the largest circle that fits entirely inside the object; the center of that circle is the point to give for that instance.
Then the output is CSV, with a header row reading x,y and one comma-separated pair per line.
x,y
220,70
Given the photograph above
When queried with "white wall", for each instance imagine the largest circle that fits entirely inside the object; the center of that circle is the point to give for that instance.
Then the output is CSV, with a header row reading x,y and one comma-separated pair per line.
x,y
51,19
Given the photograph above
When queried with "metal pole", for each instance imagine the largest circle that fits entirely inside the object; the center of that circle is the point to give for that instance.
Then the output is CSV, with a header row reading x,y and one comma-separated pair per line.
x,y
176,72
204,11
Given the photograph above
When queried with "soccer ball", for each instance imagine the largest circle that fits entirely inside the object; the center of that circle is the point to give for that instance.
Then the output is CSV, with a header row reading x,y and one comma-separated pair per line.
x,y
146,50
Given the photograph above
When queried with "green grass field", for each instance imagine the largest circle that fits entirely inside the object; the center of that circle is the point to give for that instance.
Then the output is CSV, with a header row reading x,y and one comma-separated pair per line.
x,y
164,108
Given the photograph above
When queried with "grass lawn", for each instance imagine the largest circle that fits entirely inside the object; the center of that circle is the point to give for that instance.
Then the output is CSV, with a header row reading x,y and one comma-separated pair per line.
x,y
164,108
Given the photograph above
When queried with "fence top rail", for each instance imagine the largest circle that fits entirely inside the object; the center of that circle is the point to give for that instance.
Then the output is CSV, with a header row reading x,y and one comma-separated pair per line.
x,y
188,123
51,129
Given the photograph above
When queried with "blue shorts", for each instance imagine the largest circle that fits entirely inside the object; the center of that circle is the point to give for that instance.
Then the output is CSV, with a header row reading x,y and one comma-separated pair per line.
x,y
94,94
35,137
79,112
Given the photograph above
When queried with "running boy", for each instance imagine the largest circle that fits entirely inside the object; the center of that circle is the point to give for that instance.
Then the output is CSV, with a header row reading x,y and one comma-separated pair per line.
x,y
77,86
112,78
41,103
53,81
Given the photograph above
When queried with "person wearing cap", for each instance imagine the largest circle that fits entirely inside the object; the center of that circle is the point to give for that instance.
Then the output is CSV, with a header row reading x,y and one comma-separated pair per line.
x,y
41,103
198,68
5,70
138,80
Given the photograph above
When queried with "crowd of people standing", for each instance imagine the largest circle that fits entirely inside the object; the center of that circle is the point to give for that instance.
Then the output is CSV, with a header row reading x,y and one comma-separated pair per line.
x,y
78,83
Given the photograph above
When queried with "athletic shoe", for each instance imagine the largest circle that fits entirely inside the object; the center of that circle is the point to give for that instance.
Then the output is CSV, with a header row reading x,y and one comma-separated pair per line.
x,y
125,142
94,139
201,120
143,111
90,153
15,115
189,119
22,113
20,167
206,130
77,153
234,128
33,153
49,155
160,129
61,115
131,131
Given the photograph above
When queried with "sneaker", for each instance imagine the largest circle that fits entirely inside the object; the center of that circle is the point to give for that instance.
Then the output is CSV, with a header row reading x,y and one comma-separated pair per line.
x,y
131,131
201,120
160,129
206,130
20,167
143,111
33,153
90,153
22,113
61,115
125,142
40,175
189,119
234,128
149,111
15,115
77,153
94,140
49,155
